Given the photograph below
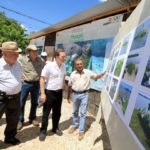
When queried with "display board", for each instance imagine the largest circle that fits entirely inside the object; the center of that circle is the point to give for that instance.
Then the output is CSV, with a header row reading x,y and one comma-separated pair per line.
x,y
128,82
92,42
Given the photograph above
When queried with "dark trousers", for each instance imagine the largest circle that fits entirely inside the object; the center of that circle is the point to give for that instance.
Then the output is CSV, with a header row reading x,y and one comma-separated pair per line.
x,y
10,106
54,101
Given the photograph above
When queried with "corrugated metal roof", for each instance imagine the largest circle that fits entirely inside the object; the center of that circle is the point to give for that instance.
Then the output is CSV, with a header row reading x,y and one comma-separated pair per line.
x,y
82,17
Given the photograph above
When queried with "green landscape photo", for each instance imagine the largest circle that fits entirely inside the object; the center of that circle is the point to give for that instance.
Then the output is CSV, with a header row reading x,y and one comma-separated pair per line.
x,y
123,96
118,67
141,35
132,67
140,121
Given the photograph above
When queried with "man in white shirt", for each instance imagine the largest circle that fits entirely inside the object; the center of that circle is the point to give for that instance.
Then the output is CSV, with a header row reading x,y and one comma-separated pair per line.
x,y
79,84
51,93
10,86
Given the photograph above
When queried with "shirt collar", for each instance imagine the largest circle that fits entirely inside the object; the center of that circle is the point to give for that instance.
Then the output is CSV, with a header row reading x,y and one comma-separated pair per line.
x,y
55,63
83,71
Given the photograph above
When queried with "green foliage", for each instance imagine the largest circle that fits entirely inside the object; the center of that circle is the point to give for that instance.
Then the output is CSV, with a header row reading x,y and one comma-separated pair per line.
x,y
130,68
118,67
141,34
10,30
136,126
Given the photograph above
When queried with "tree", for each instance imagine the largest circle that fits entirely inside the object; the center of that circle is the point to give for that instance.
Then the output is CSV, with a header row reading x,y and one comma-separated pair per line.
x,y
11,30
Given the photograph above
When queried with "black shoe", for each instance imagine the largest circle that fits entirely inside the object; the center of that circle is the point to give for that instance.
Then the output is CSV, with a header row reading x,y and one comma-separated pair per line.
x,y
13,141
58,132
42,135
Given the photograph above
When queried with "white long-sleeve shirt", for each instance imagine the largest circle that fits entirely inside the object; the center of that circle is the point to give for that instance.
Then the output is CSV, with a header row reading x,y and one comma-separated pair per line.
x,y
10,77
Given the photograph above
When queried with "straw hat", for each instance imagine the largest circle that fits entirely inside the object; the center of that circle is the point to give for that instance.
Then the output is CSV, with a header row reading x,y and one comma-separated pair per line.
x,y
10,46
32,47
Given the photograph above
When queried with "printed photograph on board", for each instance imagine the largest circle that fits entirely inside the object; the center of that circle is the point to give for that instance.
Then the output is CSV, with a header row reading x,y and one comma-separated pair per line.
x,y
123,96
125,45
118,67
131,67
113,65
146,77
116,50
141,35
113,87
140,120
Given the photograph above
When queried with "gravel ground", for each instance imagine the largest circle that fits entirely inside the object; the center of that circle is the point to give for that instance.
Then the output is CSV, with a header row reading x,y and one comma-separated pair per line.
x,y
30,140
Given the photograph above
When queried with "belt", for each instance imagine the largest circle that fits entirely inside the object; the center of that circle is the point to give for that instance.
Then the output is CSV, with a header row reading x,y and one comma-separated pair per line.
x,y
4,95
31,82
12,96
55,90
80,92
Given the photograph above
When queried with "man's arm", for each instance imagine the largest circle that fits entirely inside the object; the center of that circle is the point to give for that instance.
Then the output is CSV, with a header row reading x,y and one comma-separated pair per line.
x,y
98,76
69,94
42,89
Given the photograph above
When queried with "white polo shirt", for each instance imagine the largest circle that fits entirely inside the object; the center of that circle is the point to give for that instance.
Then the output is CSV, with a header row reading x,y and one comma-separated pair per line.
x,y
81,82
54,75
10,77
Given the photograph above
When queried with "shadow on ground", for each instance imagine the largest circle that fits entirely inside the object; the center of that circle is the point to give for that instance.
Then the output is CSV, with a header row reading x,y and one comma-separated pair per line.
x,y
3,145
104,137
63,126
23,136
89,121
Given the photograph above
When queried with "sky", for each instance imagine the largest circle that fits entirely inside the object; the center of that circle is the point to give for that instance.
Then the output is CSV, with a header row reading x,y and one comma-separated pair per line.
x,y
49,11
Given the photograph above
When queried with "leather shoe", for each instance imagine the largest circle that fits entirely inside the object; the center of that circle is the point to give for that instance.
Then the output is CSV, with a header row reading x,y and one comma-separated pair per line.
x,y
19,126
42,135
34,122
57,132
13,141
81,136
71,130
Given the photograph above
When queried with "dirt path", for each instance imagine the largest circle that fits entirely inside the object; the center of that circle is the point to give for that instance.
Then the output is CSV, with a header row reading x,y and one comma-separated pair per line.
x,y
30,140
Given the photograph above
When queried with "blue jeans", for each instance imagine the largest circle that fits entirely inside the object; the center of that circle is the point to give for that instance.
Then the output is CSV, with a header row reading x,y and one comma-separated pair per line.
x,y
33,89
80,101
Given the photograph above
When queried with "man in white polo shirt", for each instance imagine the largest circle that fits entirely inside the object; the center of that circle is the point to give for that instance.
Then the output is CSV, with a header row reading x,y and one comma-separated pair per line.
x,y
10,86
79,84
54,74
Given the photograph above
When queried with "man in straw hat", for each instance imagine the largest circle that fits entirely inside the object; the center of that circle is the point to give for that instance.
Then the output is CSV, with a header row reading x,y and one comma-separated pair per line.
x,y
10,86
32,67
